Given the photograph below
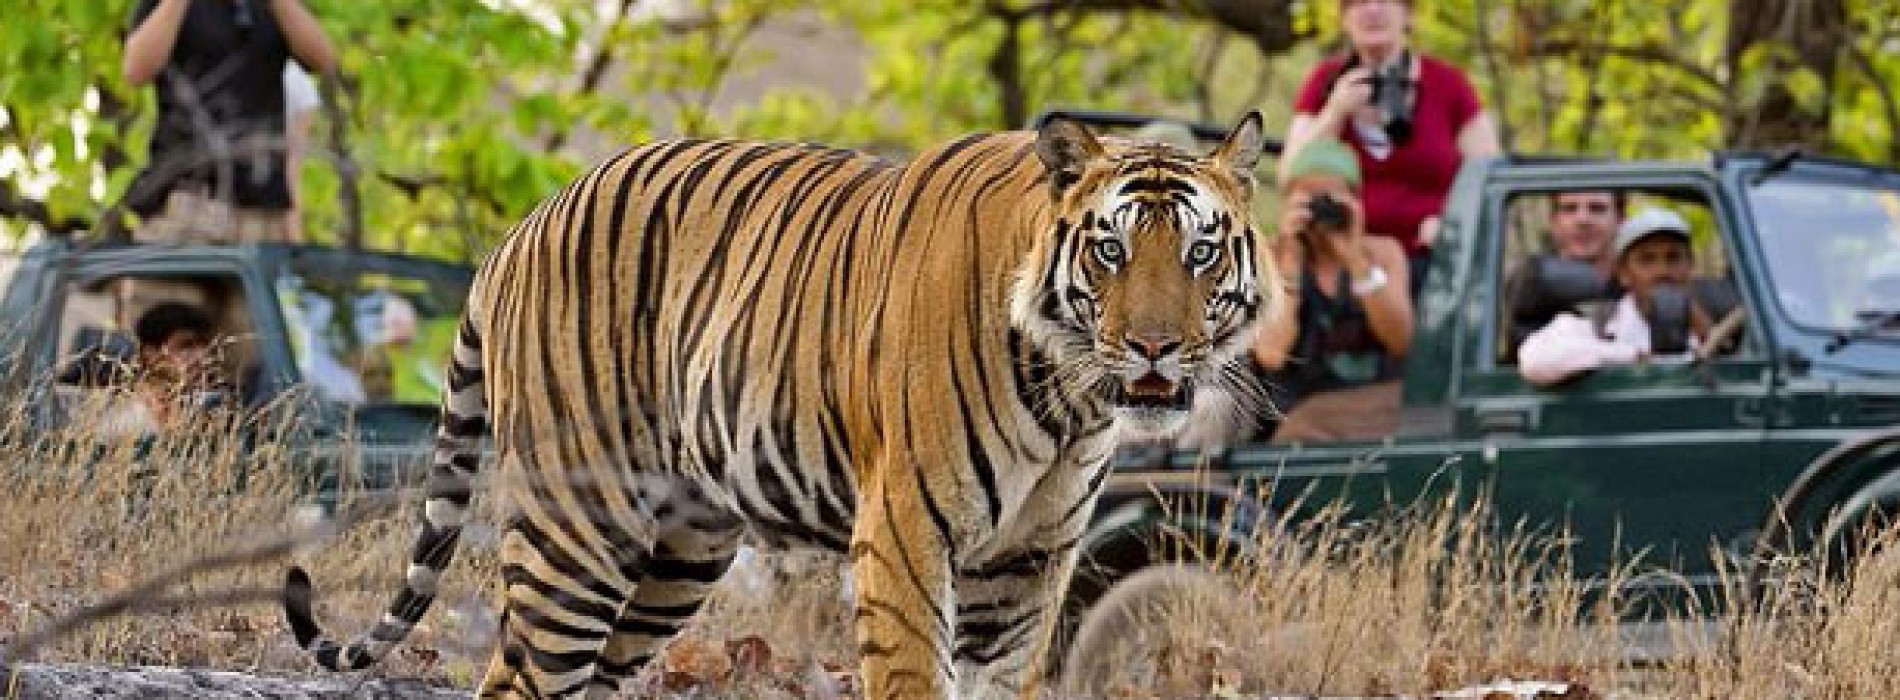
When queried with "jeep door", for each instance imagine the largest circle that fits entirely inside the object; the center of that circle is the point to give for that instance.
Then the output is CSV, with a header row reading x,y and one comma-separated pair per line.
x,y
1656,464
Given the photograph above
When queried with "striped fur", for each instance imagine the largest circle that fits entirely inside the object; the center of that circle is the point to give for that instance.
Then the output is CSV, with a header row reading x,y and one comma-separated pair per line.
x,y
924,364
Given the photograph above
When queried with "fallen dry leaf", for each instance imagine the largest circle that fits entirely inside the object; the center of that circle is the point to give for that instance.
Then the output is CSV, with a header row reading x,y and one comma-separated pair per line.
x,y
678,681
750,655
701,659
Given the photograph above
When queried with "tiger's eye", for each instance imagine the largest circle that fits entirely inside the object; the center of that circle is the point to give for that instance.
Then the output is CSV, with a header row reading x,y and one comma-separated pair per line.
x,y
1202,253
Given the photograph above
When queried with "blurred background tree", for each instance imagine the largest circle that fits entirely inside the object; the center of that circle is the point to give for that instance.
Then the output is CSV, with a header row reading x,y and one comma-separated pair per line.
x,y
458,115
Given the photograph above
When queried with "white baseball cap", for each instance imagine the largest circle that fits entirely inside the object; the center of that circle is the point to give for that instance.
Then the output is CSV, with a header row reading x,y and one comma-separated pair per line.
x,y
1646,223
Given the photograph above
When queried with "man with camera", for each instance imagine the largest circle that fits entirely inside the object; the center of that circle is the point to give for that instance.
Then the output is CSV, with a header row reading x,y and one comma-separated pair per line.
x,y
1333,357
1656,317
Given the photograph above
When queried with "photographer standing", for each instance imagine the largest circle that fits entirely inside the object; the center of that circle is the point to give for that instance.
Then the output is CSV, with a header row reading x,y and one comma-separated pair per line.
x,y
1411,120
217,169
1333,359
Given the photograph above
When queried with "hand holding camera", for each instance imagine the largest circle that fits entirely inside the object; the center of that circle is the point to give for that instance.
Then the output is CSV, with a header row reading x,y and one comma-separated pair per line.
x,y
1351,92
1383,90
1326,223
1675,316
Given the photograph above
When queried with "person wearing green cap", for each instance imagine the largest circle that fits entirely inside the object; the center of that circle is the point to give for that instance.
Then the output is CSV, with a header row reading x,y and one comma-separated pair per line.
x,y
1334,358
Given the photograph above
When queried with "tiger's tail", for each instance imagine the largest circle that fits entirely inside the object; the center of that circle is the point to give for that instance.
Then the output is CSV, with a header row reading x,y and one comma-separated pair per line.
x,y
457,456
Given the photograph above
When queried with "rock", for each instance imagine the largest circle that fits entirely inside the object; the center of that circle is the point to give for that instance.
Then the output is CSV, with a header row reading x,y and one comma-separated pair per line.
x,y
58,682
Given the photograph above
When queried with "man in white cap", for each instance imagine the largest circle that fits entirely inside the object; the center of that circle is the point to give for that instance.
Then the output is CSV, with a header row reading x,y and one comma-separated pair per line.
x,y
1651,252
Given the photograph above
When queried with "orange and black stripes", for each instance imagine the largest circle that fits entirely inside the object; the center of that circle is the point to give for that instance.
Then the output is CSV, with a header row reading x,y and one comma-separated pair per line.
x,y
700,339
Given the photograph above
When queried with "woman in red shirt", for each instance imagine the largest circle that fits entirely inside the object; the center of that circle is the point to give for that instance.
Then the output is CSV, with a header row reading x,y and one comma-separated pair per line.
x,y
1411,140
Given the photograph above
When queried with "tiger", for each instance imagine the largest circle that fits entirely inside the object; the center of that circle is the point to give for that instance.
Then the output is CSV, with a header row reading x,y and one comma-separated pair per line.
x,y
923,365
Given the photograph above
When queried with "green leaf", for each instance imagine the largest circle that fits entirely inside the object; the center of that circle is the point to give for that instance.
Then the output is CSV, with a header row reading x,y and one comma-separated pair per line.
x,y
1805,86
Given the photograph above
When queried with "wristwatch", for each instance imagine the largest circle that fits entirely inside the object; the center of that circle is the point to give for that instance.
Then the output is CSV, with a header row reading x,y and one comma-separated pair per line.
x,y
1375,280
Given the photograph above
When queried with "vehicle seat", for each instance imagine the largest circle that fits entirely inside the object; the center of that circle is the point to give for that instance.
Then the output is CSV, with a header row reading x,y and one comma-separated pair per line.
x,y
1542,288
1717,296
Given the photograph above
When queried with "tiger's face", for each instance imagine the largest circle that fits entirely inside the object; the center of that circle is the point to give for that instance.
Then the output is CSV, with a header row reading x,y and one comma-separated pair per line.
x,y
1154,279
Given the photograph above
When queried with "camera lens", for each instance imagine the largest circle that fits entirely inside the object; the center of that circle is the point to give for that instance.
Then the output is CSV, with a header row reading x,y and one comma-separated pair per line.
x,y
1327,213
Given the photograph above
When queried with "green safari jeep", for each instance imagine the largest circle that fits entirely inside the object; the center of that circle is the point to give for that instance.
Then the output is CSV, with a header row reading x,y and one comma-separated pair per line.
x,y
362,335
1795,421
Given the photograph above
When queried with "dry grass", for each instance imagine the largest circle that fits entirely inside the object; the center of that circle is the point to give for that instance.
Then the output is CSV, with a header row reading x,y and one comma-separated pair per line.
x,y
1428,599
89,515
1434,598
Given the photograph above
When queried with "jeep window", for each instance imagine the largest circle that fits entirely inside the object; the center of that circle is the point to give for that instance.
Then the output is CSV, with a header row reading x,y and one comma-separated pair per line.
x,y
1527,298
95,345
1832,249
370,338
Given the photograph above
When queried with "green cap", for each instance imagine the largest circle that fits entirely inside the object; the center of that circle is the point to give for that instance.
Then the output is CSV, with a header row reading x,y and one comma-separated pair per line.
x,y
1325,155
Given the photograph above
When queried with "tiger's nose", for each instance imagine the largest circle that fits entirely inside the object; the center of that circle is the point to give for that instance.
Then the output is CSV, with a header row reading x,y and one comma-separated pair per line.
x,y
1152,346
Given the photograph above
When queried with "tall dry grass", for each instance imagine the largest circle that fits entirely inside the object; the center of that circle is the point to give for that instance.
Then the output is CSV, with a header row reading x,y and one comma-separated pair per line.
x,y
89,514
1430,598
1437,596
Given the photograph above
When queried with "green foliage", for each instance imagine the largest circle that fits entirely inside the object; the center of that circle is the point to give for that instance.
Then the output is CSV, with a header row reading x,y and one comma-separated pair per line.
x,y
462,114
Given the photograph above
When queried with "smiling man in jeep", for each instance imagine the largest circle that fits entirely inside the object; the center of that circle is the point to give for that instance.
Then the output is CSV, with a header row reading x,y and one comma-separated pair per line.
x,y
1654,262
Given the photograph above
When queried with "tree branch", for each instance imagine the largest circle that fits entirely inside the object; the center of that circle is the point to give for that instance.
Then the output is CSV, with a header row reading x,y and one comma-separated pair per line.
x,y
1204,83
1481,26
1269,23
1006,69
1646,53
596,72
413,186
1887,104
15,206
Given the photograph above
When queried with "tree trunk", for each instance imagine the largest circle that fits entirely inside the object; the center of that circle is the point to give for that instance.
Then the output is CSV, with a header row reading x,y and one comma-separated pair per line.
x,y
1813,32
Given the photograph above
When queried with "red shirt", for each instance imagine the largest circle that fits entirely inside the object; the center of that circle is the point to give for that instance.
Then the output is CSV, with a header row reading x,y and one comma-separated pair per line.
x,y
1410,184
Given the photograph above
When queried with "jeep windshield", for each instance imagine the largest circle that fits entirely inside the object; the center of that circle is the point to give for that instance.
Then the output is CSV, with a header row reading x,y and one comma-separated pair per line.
x,y
1833,252
371,336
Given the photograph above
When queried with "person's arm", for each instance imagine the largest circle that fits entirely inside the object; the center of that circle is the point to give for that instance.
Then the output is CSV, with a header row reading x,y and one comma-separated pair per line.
x,y
149,46
1479,137
296,139
1321,114
1388,308
1565,347
300,104
1275,340
306,38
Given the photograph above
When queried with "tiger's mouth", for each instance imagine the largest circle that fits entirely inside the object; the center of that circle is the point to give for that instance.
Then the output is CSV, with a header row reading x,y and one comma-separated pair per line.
x,y
1153,392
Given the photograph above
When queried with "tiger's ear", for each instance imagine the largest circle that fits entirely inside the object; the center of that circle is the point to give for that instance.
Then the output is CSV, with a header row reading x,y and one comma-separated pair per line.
x,y
1244,145
1066,148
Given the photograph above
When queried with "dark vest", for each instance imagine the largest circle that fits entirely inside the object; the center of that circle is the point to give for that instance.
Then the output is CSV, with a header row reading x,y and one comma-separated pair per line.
x,y
220,108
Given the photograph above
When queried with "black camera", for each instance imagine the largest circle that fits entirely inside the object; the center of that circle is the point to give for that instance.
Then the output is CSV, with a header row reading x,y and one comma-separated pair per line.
x,y
1389,98
1328,214
1668,315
